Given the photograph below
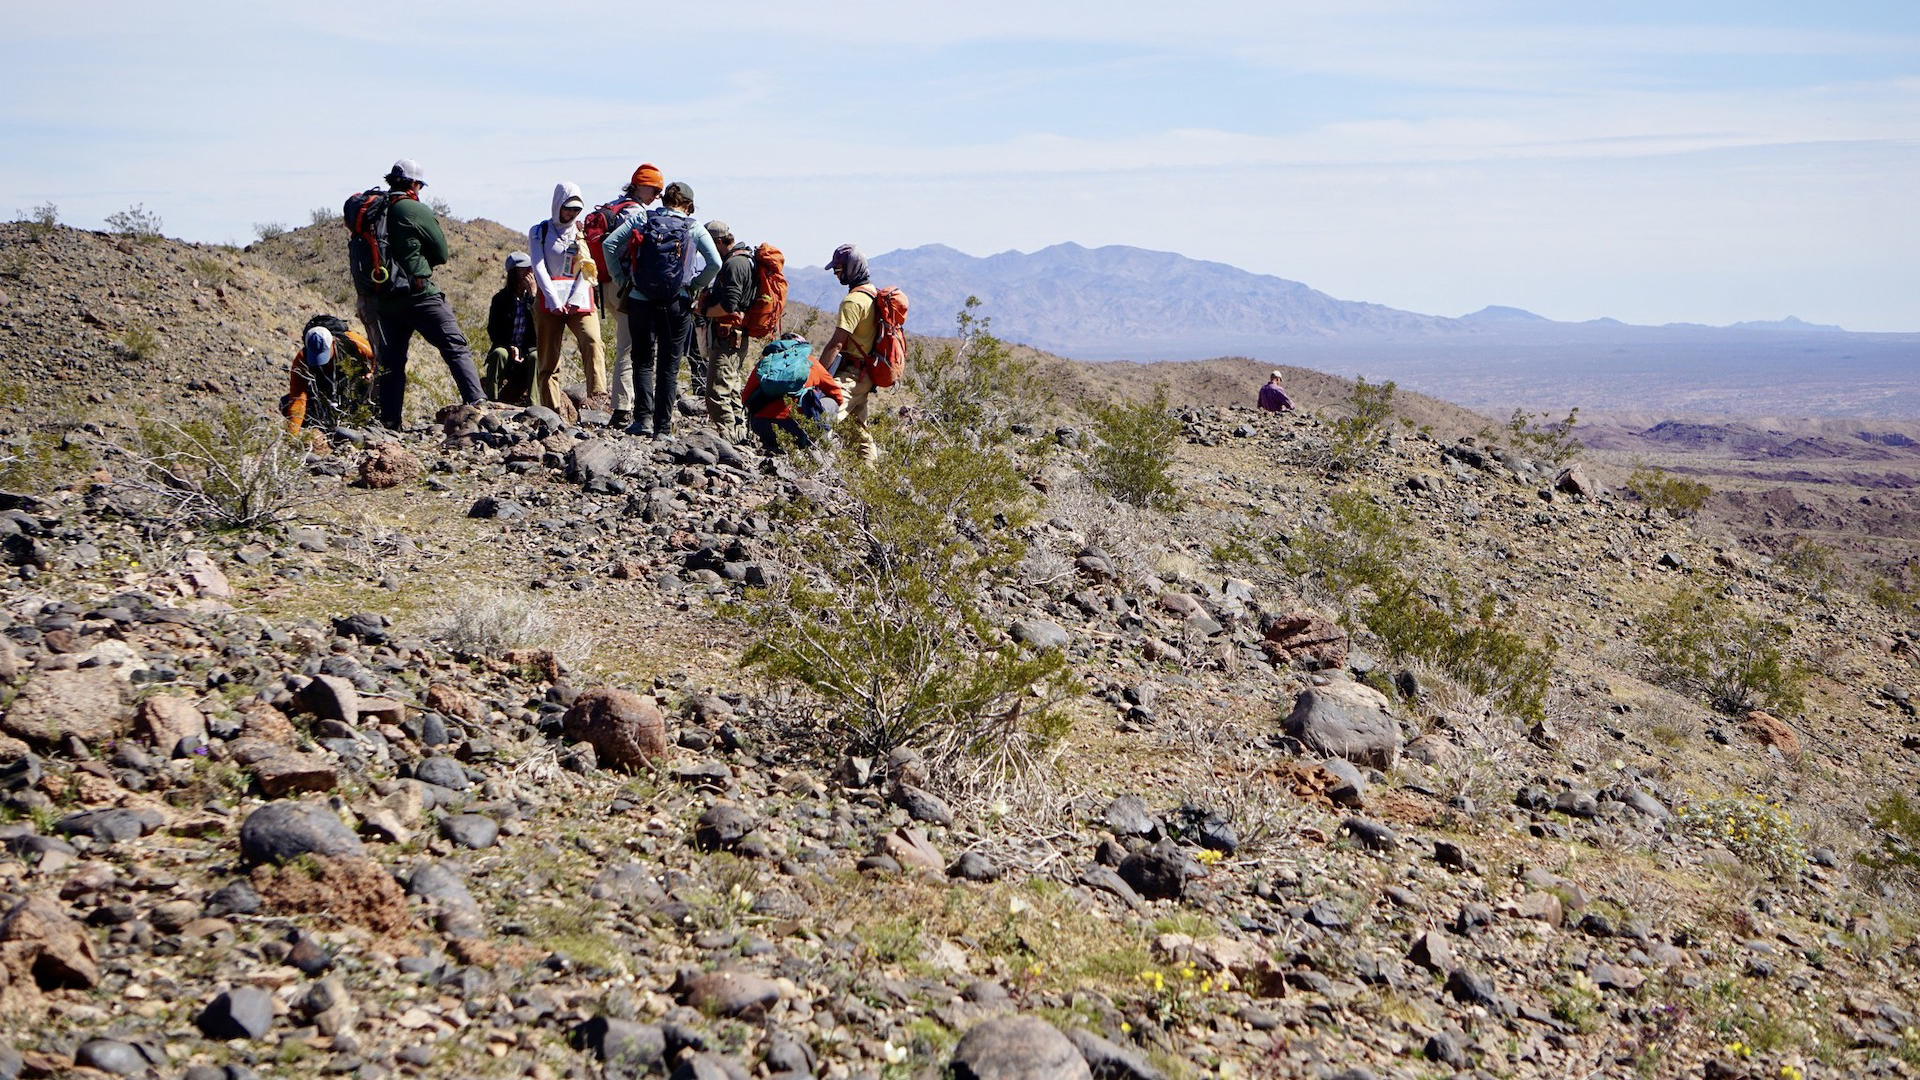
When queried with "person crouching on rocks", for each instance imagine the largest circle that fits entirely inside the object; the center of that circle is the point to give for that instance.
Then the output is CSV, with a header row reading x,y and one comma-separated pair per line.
x,y
1273,396
332,377
508,375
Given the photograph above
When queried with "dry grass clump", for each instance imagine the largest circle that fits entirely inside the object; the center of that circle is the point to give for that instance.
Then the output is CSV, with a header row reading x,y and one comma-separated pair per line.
x,y
491,621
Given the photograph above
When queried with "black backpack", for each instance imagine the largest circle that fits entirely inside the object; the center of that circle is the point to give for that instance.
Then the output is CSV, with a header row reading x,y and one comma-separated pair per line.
x,y
660,256
369,253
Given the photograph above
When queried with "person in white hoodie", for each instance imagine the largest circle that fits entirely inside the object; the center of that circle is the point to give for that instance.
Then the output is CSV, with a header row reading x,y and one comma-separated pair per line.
x,y
563,282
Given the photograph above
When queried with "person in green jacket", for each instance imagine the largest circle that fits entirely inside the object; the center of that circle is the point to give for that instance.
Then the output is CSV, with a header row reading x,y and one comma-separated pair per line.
x,y
416,246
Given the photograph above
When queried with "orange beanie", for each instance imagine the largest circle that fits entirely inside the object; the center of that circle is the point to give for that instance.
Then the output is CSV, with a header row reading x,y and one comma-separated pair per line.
x,y
648,176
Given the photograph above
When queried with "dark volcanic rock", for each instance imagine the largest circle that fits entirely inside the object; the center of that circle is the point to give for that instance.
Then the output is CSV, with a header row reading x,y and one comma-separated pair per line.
x,y
1017,1048
284,830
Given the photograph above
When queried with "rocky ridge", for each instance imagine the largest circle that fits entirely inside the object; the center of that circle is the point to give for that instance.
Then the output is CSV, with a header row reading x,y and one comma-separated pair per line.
x,y
275,815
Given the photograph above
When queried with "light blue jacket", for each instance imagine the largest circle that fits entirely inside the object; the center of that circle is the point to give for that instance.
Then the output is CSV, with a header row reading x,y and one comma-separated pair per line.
x,y
615,245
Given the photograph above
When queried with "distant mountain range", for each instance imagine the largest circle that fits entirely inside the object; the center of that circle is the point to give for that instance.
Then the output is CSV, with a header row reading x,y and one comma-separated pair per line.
x,y
1126,303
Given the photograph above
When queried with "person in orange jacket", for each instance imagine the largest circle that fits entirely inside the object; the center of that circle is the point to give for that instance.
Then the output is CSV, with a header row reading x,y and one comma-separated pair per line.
x,y
770,414
331,378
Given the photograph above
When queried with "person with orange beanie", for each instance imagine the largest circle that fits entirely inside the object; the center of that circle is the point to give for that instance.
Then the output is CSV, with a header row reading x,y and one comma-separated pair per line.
x,y
641,193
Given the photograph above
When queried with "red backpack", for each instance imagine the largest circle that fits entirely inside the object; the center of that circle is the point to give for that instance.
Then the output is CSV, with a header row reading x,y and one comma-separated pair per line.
x,y
600,221
890,344
769,307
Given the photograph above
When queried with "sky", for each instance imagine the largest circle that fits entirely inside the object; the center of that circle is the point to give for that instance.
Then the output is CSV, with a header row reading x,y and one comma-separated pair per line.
x,y
1653,162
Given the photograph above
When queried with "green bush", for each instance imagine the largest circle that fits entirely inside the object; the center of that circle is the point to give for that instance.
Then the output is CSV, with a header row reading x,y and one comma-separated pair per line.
x,y
135,223
41,220
1534,435
1135,450
1661,490
139,342
1360,553
880,613
1704,642
269,230
1898,594
236,469
975,384
1356,435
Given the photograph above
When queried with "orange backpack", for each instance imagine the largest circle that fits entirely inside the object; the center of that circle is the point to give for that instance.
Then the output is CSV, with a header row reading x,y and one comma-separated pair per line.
x,y
890,344
763,317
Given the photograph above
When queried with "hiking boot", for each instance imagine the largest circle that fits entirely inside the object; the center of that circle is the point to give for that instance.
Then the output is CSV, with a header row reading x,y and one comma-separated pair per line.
x,y
641,430
620,418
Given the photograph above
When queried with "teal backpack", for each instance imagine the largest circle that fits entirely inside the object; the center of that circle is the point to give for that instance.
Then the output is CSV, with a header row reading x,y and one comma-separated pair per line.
x,y
783,367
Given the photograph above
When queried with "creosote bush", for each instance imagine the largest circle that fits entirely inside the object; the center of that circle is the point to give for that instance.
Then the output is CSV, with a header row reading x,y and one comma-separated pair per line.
x,y
139,342
975,384
235,469
1134,451
1360,554
1355,435
879,613
135,223
1661,490
1535,435
1898,820
1705,642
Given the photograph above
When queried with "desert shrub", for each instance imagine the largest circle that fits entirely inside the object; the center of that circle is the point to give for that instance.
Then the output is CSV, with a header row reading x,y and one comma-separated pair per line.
x,y
236,469
41,220
1753,827
324,215
1705,642
1535,435
39,461
440,208
1360,554
1898,820
1812,563
136,222
880,615
1898,593
1135,449
1354,436
1661,490
210,269
268,230
490,621
139,342
974,383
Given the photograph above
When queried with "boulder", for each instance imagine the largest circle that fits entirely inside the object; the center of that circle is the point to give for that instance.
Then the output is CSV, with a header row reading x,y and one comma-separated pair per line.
x,y
594,459
165,719
284,830
387,464
40,945
625,730
1017,1048
86,703
1349,720
730,993
203,576
1041,634
1306,638
330,697
1772,731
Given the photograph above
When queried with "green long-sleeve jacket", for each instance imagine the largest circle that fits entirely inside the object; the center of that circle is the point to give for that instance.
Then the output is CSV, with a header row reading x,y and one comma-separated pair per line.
x,y
417,244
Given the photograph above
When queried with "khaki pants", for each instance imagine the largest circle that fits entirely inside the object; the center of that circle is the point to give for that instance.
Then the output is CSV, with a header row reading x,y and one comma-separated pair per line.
x,y
859,386
622,349
547,331
726,379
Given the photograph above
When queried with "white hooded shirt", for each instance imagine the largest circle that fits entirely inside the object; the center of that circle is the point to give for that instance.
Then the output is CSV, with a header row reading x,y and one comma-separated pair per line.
x,y
557,250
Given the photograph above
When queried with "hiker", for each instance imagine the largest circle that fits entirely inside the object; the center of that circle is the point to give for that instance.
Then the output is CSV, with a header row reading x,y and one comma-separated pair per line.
x,y
640,194
855,333
509,367
788,376
417,246
1273,396
332,376
724,305
651,258
564,275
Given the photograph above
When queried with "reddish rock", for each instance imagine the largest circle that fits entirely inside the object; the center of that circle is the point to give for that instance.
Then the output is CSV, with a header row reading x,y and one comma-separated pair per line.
x,y
625,730
1305,638
41,946
203,576
164,719
912,850
388,464
281,771
453,701
1772,731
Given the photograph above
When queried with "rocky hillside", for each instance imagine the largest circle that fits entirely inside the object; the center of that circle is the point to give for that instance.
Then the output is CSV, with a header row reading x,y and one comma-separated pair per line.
x,y
449,767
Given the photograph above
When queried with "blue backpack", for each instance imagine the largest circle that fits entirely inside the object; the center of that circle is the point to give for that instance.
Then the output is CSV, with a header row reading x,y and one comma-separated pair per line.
x,y
660,256
783,367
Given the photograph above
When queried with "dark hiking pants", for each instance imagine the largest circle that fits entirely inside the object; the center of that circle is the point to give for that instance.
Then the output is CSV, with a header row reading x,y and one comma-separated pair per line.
x,y
659,334
432,318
